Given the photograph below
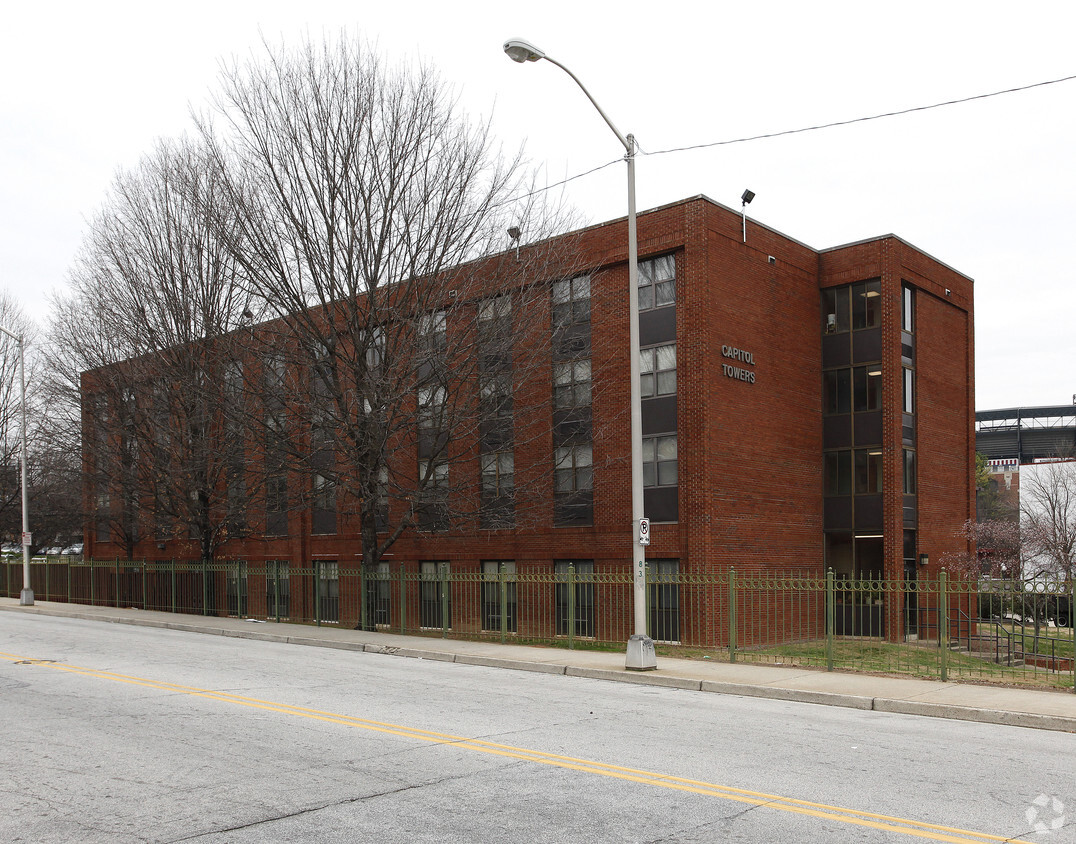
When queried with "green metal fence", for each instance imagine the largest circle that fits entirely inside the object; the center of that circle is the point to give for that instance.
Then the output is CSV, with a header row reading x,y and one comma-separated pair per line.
x,y
936,627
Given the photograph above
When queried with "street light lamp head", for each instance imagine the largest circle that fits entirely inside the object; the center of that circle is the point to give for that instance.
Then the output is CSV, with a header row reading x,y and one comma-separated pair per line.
x,y
748,195
521,51
514,232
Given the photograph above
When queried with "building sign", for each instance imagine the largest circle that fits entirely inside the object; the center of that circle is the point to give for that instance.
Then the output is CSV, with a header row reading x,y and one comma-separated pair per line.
x,y
738,372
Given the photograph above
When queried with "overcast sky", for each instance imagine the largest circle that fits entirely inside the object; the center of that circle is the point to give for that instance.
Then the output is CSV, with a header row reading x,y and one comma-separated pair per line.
x,y
987,187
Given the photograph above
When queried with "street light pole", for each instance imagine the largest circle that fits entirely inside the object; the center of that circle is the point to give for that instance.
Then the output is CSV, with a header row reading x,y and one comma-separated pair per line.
x,y
640,653
26,598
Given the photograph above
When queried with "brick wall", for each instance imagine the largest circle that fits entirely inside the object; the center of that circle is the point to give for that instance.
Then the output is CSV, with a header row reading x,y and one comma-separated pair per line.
x,y
750,448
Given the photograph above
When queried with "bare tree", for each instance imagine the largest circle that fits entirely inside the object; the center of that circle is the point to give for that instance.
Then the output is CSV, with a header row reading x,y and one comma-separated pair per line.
x,y
1048,518
17,322
399,371
1029,562
158,316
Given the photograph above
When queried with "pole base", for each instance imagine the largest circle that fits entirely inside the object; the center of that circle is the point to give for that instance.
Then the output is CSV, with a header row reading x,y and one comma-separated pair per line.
x,y
641,654
26,598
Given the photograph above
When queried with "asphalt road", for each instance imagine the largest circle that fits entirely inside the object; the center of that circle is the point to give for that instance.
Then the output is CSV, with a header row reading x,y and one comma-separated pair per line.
x,y
126,734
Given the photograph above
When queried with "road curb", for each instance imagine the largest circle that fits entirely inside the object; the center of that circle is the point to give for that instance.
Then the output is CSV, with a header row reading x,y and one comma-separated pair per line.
x,y
1057,723
794,695
634,677
514,664
411,653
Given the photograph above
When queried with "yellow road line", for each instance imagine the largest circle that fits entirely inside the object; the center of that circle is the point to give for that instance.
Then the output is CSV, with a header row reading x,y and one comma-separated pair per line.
x,y
887,823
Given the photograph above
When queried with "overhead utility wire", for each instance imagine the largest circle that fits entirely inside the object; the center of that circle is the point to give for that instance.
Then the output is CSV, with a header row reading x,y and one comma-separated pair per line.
x,y
863,119
800,131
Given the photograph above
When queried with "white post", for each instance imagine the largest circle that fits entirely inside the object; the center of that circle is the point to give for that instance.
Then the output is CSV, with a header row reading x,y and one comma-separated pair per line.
x,y
641,655
26,598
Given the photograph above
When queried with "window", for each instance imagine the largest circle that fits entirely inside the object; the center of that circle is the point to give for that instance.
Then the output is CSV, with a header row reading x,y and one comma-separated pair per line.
x,y
838,473
867,388
659,461
276,433
574,598
375,348
433,331
434,607
867,304
853,306
573,470
495,407
497,308
323,513
573,485
236,588
276,484
571,301
498,505
495,334
433,474
835,310
909,472
381,496
664,600
499,593
432,437
909,391
494,316
907,309
236,496
497,474
836,391
571,384
275,376
496,395
657,371
657,282
233,389
276,505
431,405
868,471
328,574
571,318
432,503
276,589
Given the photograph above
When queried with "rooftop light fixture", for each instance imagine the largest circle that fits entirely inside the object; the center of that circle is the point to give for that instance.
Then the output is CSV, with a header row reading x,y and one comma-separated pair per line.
x,y
745,199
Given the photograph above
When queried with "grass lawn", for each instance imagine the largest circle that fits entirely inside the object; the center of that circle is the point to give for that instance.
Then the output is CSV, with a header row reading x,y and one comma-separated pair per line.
x,y
917,659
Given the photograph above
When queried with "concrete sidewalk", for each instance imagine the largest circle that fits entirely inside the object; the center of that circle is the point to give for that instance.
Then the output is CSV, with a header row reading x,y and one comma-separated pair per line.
x,y
1045,710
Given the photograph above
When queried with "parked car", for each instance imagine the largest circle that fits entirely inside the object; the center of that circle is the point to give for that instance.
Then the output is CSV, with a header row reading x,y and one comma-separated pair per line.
x,y
54,551
73,550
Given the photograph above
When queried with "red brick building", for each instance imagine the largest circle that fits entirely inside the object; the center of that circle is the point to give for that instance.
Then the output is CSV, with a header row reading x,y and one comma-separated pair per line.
x,y
802,410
